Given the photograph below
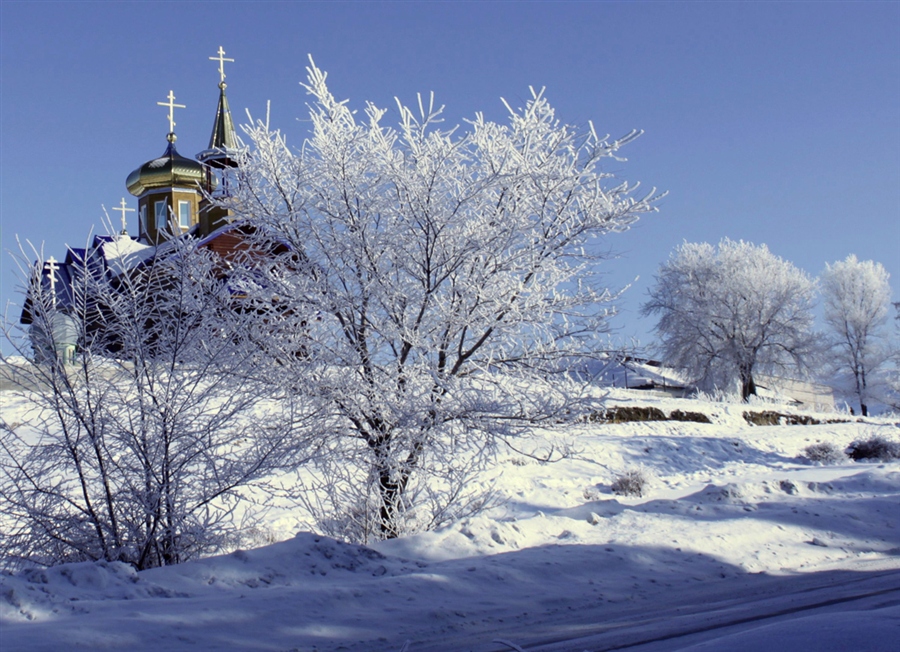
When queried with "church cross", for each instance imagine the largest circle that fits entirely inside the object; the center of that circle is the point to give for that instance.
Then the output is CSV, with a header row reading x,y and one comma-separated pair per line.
x,y
221,59
51,266
172,106
122,209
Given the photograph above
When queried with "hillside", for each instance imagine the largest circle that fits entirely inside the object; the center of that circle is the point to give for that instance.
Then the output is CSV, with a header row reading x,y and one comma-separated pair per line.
x,y
736,542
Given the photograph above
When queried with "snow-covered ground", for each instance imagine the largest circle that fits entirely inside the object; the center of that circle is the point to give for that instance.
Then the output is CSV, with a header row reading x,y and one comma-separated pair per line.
x,y
737,544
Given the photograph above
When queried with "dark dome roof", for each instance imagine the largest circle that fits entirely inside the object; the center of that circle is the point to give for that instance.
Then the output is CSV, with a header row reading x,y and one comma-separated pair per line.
x,y
170,169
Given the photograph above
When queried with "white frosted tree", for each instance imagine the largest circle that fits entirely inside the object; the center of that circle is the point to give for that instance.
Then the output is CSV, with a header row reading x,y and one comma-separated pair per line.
x,y
435,279
729,312
857,296
893,397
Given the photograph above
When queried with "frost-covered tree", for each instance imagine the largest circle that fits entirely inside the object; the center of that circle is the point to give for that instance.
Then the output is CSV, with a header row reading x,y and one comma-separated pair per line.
x,y
134,446
857,298
893,396
434,280
732,311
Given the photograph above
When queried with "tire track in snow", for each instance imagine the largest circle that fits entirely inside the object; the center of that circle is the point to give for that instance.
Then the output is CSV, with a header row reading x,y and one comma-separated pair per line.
x,y
722,617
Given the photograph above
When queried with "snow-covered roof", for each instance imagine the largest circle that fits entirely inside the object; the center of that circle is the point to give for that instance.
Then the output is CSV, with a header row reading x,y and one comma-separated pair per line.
x,y
639,373
122,252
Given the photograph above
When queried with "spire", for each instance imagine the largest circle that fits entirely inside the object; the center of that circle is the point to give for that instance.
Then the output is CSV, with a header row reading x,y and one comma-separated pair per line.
x,y
223,136
223,142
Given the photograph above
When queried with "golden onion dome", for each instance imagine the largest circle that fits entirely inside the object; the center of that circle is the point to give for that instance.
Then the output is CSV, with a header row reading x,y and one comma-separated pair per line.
x,y
170,169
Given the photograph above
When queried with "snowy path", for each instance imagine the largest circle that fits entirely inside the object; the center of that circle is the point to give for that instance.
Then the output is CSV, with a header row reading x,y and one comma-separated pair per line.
x,y
747,609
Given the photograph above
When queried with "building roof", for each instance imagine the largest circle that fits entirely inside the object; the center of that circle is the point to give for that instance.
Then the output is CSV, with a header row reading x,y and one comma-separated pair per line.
x,y
170,169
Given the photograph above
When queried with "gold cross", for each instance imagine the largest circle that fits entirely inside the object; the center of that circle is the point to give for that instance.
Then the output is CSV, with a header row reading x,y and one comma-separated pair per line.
x,y
221,59
123,210
172,106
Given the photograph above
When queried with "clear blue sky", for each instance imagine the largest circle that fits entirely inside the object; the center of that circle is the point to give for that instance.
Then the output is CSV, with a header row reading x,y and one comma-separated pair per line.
x,y
769,122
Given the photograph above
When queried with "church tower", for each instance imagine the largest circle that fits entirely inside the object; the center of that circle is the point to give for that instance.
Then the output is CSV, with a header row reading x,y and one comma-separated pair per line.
x,y
168,189
221,155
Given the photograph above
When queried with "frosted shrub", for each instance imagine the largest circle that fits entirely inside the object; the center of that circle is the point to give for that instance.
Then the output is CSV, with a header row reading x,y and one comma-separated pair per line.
x,y
824,453
591,493
135,450
631,483
874,448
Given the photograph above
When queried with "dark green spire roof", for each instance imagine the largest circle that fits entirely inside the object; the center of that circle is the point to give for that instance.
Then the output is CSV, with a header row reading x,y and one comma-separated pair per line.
x,y
223,142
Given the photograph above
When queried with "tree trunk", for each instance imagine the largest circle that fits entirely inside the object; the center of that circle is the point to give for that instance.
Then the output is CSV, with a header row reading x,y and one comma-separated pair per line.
x,y
388,488
861,388
392,484
389,492
748,387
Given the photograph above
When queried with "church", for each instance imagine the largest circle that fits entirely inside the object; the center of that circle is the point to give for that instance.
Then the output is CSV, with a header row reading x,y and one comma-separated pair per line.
x,y
177,198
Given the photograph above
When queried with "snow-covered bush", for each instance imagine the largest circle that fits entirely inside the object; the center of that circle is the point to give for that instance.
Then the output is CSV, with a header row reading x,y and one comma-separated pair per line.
x,y
135,447
591,493
631,483
824,453
874,448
